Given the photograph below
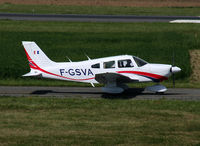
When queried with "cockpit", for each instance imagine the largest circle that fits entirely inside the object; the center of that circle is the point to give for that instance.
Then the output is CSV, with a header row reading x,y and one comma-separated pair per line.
x,y
126,62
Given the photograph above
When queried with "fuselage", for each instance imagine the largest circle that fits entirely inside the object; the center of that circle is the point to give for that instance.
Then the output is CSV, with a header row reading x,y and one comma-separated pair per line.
x,y
85,71
114,72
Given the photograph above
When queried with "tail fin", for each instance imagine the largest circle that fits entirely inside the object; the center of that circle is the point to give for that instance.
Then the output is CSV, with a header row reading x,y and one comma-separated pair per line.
x,y
36,56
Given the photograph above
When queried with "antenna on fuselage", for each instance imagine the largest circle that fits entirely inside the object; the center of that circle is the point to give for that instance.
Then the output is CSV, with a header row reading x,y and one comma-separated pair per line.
x,y
68,59
87,56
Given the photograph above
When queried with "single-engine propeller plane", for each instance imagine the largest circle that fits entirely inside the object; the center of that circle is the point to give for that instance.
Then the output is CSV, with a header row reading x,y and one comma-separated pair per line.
x,y
114,72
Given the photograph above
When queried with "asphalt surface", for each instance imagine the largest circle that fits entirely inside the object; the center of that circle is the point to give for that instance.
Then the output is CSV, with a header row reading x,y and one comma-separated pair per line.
x,y
89,92
93,18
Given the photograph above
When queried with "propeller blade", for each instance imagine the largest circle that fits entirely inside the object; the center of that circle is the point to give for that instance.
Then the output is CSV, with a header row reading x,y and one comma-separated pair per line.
x,y
173,58
173,63
174,69
173,78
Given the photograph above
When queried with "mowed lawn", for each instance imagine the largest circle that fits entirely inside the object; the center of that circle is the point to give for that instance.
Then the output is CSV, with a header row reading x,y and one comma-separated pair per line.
x,y
154,42
175,10
77,121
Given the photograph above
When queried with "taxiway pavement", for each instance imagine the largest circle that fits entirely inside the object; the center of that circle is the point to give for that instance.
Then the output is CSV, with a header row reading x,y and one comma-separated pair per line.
x,y
89,92
93,18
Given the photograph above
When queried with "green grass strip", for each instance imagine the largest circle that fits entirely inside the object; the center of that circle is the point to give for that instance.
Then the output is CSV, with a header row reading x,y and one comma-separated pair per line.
x,y
75,121
102,10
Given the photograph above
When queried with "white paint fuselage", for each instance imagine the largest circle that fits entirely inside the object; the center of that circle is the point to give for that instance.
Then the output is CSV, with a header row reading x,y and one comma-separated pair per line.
x,y
83,72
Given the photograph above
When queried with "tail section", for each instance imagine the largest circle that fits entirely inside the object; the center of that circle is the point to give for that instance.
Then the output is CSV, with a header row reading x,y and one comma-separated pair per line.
x,y
36,57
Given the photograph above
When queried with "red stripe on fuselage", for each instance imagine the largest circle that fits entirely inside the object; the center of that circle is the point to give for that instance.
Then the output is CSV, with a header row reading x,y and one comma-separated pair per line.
x,y
155,76
40,69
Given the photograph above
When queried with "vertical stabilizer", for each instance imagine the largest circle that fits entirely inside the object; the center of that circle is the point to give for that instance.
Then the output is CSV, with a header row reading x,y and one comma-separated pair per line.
x,y
36,56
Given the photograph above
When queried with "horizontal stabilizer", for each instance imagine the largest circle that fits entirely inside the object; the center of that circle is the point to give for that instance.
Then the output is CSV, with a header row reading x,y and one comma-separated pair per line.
x,y
33,73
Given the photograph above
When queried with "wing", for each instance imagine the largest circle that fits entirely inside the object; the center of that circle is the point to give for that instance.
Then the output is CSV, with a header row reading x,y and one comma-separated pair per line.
x,y
107,78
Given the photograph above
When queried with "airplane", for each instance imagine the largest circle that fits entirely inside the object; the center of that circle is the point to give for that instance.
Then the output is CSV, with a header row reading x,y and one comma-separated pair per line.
x,y
114,72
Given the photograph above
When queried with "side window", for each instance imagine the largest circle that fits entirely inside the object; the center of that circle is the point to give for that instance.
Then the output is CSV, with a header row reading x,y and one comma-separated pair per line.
x,y
96,65
125,63
110,64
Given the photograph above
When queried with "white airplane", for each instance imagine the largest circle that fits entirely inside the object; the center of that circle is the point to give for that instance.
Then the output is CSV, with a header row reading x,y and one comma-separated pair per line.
x,y
114,72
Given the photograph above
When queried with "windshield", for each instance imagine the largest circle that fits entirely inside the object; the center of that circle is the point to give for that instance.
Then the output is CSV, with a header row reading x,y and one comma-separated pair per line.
x,y
139,61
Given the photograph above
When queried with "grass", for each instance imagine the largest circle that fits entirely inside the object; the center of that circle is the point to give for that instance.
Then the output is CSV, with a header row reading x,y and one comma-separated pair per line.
x,y
153,42
111,10
48,82
76,121
96,40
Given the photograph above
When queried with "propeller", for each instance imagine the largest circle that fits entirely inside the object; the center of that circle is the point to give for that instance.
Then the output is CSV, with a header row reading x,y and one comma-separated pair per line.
x,y
173,77
174,69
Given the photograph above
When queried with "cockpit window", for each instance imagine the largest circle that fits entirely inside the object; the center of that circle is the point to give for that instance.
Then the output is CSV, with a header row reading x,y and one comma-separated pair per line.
x,y
139,61
110,64
125,63
96,65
